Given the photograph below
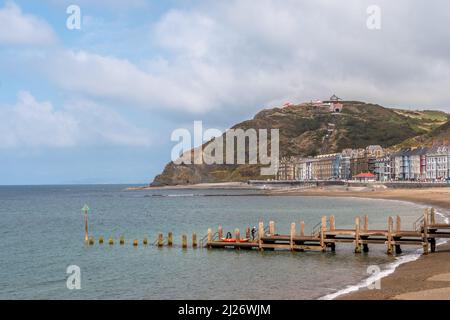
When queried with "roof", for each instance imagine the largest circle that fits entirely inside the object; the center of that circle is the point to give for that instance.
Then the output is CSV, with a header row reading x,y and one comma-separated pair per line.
x,y
365,175
334,98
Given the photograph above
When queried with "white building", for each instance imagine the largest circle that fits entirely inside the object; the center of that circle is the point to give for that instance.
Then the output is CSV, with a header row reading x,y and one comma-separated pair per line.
x,y
438,163
305,169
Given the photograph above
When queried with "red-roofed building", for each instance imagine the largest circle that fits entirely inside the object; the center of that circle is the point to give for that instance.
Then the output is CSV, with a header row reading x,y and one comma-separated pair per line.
x,y
365,177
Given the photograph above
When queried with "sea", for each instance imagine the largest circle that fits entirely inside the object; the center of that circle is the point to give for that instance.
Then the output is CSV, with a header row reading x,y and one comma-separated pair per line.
x,y
42,243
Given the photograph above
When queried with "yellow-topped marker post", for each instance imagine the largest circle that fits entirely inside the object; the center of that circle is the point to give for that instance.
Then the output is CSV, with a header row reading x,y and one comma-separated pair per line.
x,y
86,209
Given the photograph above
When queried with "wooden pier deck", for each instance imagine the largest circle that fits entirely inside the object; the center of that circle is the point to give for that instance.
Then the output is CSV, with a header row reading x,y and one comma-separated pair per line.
x,y
325,236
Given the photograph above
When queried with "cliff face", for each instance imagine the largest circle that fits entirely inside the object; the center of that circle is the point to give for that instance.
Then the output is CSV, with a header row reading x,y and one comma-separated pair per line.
x,y
309,130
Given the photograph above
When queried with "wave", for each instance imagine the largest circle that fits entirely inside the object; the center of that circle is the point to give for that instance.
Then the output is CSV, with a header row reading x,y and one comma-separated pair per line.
x,y
389,269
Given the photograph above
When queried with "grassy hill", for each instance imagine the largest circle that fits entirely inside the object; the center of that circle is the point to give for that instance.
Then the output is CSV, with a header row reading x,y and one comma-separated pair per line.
x,y
308,130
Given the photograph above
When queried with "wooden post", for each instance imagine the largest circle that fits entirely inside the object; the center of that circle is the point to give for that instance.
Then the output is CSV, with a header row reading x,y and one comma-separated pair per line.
x,y
86,233
323,227
145,241
302,228
122,240
398,224
389,235
433,216
271,228
169,239
220,232
184,241
101,240
332,226
194,240
357,235
111,241
247,233
135,243
291,240
366,223
237,235
425,232
209,238
260,234
160,240
91,241
398,228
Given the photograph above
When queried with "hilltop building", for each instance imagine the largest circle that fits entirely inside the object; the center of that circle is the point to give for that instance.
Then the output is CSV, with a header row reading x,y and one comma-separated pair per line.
x,y
333,104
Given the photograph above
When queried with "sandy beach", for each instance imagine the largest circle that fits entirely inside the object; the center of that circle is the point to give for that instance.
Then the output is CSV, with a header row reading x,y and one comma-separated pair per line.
x,y
426,278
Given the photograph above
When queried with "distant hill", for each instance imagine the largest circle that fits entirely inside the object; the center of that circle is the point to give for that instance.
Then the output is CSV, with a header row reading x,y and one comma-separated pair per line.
x,y
308,130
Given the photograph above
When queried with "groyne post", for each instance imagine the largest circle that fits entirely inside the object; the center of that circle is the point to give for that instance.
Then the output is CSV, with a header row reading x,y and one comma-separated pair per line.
x,y
398,224
209,238
184,241
323,228
292,235
271,228
389,235
425,232
220,232
357,235
160,240
302,228
366,223
194,240
332,226
169,239
433,216
260,234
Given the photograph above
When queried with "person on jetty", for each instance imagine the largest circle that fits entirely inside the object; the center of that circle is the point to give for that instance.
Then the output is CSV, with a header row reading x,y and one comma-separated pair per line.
x,y
253,233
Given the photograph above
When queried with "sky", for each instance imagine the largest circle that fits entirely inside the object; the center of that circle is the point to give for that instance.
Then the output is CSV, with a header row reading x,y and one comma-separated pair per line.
x,y
98,104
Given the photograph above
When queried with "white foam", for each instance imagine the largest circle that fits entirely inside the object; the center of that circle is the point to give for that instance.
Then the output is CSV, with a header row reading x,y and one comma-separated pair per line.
x,y
390,268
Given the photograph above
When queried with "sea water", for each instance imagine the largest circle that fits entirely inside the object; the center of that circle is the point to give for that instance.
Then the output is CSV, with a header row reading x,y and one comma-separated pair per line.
x,y
42,234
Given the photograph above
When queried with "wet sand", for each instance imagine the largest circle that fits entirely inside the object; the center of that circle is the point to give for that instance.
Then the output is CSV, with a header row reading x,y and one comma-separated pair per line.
x,y
426,278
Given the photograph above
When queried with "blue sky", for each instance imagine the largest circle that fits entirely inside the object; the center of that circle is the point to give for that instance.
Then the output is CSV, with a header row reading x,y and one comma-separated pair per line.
x,y
98,105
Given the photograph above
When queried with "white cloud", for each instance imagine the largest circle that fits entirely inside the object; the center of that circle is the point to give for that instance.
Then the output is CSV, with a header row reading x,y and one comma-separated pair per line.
x,y
17,28
30,123
235,57
119,80
239,56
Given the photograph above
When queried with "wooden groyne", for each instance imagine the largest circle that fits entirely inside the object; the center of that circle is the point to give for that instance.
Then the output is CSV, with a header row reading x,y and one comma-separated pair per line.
x,y
325,236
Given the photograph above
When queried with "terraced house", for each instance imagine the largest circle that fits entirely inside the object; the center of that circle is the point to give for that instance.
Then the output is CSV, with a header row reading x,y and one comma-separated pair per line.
x,y
438,163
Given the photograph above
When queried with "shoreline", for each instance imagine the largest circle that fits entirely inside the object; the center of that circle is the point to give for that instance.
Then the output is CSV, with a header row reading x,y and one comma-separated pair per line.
x,y
206,186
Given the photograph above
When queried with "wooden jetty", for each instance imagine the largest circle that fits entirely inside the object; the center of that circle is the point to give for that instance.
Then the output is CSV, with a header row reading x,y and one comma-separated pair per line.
x,y
325,236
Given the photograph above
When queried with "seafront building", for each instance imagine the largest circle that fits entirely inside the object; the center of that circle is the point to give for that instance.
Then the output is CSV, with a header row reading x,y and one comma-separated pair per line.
x,y
370,164
438,163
